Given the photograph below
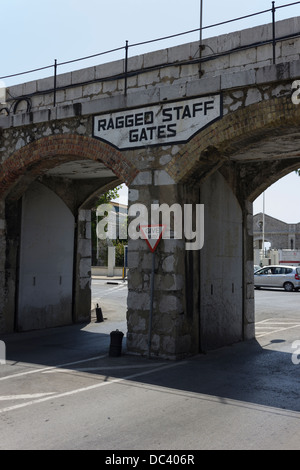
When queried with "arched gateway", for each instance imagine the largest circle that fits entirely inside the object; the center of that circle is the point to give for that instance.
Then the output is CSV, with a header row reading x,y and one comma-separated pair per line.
x,y
48,187
181,142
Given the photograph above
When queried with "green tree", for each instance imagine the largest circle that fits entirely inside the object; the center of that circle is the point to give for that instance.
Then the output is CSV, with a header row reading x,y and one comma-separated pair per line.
x,y
108,196
105,198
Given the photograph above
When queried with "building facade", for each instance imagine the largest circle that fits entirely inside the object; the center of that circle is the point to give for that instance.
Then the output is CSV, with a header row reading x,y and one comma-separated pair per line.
x,y
276,232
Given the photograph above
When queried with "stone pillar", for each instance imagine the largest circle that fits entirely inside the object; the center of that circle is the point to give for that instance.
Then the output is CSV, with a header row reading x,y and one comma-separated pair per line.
x,y
249,309
175,312
222,288
82,272
111,260
2,270
10,215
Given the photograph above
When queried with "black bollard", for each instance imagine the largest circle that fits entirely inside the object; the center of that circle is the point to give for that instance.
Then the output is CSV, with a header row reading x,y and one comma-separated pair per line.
x,y
115,348
99,314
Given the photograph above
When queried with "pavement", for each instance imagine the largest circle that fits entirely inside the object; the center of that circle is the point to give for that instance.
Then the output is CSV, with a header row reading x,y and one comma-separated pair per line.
x,y
251,371
111,279
244,396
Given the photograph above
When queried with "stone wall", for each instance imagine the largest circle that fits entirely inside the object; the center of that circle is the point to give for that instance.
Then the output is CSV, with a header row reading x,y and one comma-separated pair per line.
x,y
225,62
176,283
202,299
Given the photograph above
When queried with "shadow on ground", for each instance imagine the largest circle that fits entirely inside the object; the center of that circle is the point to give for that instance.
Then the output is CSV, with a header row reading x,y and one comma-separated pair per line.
x,y
245,371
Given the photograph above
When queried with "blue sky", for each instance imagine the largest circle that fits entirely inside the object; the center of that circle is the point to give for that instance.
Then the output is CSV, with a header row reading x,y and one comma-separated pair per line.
x,y
35,32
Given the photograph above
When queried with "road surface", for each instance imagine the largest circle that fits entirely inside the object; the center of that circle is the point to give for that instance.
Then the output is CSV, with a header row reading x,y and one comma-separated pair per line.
x,y
61,390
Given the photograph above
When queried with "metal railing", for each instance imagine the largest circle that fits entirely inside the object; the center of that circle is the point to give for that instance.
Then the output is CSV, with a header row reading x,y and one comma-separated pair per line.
x,y
127,46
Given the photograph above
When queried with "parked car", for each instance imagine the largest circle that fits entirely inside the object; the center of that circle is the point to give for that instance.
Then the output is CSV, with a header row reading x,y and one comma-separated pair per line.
x,y
286,277
256,267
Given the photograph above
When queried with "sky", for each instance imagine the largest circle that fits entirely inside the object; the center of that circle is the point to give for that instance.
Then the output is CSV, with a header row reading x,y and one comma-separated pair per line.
x,y
36,32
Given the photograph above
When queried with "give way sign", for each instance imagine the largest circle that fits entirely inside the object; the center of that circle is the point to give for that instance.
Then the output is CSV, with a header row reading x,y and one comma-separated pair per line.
x,y
152,234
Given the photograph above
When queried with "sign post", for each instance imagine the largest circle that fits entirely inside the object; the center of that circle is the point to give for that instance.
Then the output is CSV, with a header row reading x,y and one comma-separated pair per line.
x,y
152,234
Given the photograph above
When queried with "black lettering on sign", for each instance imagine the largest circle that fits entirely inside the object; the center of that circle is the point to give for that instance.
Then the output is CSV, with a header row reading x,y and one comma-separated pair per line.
x,y
101,125
171,130
186,112
197,107
119,122
139,119
151,132
143,135
133,135
207,106
167,114
129,120
161,133
177,109
158,124
110,124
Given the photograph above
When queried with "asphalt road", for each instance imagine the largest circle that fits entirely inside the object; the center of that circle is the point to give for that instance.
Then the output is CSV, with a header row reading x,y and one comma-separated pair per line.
x,y
61,390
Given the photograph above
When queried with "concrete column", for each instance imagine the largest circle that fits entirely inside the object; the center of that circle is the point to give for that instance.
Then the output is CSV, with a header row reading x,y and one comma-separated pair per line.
x,y
248,280
82,271
221,272
111,260
176,284
2,273
9,248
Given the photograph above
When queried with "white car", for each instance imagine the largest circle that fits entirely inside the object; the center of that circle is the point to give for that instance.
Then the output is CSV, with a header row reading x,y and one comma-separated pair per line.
x,y
286,277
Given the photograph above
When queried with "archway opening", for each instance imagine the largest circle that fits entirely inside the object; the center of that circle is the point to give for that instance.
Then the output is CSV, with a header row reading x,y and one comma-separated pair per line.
x,y
276,222
276,290
48,238
109,255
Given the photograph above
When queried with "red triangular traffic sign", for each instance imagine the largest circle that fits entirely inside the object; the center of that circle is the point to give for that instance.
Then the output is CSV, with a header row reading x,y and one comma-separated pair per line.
x,y
152,234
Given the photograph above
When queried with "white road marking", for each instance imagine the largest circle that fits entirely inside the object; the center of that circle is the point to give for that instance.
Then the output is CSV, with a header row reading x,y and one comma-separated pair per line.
x,y
25,396
98,297
35,371
91,369
86,389
271,326
111,289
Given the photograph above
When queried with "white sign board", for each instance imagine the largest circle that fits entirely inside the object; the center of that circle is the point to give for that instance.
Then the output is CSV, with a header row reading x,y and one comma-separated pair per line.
x,y
162,124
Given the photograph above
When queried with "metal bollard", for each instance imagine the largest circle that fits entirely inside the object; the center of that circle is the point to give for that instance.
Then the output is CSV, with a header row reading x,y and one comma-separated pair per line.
x,y
99,314
115,348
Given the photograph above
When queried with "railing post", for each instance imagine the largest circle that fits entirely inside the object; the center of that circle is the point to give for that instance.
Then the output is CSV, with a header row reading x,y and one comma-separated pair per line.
x,y
54,89
200,39
126,68
274,32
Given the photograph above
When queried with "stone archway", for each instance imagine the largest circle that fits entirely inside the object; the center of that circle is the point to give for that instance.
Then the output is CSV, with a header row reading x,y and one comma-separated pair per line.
x,y
56,163
41,155
234,138
230,162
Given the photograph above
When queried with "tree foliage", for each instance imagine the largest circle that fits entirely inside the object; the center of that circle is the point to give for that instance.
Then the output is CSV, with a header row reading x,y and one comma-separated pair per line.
x,y
105,198
108,196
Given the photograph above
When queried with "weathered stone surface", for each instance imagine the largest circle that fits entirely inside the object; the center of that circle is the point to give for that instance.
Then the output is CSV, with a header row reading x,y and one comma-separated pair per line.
x,y
201,299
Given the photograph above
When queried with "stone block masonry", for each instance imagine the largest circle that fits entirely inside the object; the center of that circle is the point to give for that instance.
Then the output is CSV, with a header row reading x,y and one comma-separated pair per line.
x,y
225,64
203,298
